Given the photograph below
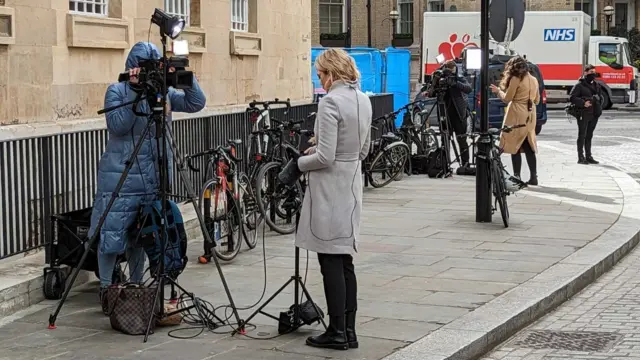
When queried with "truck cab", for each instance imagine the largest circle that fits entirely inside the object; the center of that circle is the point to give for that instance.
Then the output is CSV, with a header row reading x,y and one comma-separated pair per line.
x,y
612,58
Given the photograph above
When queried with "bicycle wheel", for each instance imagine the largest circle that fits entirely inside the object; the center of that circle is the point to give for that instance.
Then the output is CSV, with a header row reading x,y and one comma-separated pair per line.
x,y
251,217
271,195
388,164
223,221
500,190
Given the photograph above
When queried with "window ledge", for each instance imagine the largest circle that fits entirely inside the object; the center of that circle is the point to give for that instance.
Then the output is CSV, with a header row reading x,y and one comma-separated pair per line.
x,y
245,44
97,32
7,23
196,37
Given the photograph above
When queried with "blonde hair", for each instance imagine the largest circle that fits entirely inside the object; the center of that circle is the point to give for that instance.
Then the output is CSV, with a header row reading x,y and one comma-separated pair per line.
x,y
338,65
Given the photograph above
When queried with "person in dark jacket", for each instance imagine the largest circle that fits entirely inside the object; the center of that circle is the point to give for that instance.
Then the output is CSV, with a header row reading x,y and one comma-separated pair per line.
x,y
456,103
142,183
587,96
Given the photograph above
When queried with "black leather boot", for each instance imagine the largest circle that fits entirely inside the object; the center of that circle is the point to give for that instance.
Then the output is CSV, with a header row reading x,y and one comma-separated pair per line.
x,y
352,339
103,301
591,160
334,338
582,160
533,181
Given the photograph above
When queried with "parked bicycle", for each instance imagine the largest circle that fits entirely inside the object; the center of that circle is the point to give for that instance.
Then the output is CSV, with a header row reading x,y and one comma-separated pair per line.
x,y
270,195
497,177
228,203
387,156
414,131
260,142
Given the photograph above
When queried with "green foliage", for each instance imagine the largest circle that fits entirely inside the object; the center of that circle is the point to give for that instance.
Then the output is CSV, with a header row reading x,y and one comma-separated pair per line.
x,y
596,32
340,36
403,36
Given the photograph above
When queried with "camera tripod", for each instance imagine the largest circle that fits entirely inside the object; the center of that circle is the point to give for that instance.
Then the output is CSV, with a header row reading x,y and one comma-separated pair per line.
x,y
296,279
157,119
444,126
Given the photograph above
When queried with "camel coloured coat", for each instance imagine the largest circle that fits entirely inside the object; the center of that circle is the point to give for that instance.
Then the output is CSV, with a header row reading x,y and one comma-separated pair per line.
x,y
516,113
330,215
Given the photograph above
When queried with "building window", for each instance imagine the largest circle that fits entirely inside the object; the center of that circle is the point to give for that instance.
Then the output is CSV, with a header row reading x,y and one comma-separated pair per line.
x,y
240,15
332,16
180,8
584,6
436,5
405,8
90,7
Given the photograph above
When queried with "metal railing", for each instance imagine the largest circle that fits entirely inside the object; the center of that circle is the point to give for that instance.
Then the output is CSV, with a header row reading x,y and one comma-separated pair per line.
x,y
55,174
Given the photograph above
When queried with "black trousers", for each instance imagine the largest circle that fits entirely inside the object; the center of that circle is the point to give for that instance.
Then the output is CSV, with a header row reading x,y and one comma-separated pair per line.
x,y
340,285
586,126
516,159
460,130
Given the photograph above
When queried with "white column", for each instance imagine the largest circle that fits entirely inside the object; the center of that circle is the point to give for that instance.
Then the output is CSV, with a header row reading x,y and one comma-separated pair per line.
x,y
594,19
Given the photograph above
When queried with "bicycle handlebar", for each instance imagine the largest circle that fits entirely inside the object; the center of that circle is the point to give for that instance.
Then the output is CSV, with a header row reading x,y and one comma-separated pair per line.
x,y
225,151
266,104
505,129
393,114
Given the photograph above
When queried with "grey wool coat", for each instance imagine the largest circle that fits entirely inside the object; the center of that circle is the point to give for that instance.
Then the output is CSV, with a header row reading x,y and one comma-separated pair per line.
x,y
330,216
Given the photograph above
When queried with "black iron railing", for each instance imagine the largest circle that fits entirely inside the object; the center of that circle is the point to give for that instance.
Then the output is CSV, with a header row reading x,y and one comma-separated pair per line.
x,y
55,174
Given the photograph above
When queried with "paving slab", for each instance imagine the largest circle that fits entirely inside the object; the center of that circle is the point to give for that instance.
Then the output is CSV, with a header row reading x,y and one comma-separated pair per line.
x,y
433,283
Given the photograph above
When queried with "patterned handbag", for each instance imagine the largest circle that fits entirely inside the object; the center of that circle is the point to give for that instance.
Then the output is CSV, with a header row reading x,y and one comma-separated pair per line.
x,y
131,306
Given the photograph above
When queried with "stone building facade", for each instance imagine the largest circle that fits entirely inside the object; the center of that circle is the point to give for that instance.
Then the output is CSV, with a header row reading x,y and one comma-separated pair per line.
x,y
627,14
57,57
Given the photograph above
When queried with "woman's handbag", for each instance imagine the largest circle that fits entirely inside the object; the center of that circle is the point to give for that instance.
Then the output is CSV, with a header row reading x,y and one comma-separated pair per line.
x,y
131,306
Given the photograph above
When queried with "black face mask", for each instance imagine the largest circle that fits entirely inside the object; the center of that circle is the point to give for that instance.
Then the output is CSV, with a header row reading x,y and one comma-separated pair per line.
x,y
590,77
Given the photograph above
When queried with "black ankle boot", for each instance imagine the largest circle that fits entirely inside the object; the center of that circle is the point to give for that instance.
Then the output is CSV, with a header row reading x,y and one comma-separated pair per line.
x,y
352,339
103,301
533,180
334,338
582,160
591,160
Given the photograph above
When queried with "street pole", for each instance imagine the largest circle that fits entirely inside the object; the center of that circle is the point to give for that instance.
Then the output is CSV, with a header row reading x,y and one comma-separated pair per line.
x,y
369,23
348,4
483,182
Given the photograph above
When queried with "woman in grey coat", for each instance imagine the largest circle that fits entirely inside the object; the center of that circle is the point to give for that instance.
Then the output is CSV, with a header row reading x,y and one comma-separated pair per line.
x,y
330,216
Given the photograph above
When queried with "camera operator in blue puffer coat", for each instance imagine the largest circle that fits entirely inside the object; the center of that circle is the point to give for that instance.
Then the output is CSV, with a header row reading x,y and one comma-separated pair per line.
x,y
142,183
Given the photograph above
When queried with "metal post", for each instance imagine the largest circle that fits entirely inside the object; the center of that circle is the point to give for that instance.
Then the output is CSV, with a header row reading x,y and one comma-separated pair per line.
x,y
369,23
483,182
348,4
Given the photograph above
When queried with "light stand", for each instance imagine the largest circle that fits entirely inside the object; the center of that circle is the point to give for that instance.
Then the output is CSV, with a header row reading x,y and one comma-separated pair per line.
x,y
169,26
483,181
298,285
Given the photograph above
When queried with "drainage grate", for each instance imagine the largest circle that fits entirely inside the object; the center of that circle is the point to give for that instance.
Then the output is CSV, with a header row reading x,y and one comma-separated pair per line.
x,y
567,340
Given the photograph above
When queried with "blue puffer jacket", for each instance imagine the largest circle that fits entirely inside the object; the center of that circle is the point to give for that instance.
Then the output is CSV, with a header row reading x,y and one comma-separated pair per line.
x,y
125,130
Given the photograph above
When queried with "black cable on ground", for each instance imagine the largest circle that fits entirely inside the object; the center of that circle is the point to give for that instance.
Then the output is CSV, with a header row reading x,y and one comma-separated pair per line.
x,y
203,315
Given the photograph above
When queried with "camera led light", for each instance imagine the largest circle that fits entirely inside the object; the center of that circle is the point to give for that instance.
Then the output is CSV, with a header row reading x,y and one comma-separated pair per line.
x,y
473,58
180,47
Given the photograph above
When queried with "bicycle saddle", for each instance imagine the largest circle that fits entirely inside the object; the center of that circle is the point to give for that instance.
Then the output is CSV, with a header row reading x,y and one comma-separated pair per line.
x,y
234,141
389,136
494,132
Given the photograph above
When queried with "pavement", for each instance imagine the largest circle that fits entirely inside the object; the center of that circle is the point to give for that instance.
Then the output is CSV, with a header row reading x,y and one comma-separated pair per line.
x,y
601,322
433,283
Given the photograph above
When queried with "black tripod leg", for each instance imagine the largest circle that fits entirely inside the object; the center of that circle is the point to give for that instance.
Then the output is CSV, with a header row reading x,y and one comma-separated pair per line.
x,y
308,296
174,294
207,237
259,310
96,235
152,315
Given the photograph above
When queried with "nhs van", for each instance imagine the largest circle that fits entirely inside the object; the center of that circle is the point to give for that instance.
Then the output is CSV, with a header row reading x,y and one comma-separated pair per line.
x,y
559,42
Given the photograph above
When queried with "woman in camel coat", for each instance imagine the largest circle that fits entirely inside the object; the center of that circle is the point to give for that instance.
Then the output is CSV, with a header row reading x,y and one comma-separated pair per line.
x,y
520,90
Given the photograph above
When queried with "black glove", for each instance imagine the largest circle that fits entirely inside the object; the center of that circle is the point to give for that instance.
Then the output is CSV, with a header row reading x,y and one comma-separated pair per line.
x,y
291,172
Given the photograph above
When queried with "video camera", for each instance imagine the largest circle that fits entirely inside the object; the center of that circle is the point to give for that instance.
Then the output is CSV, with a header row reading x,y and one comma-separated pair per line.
x,y
151,74
443,79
